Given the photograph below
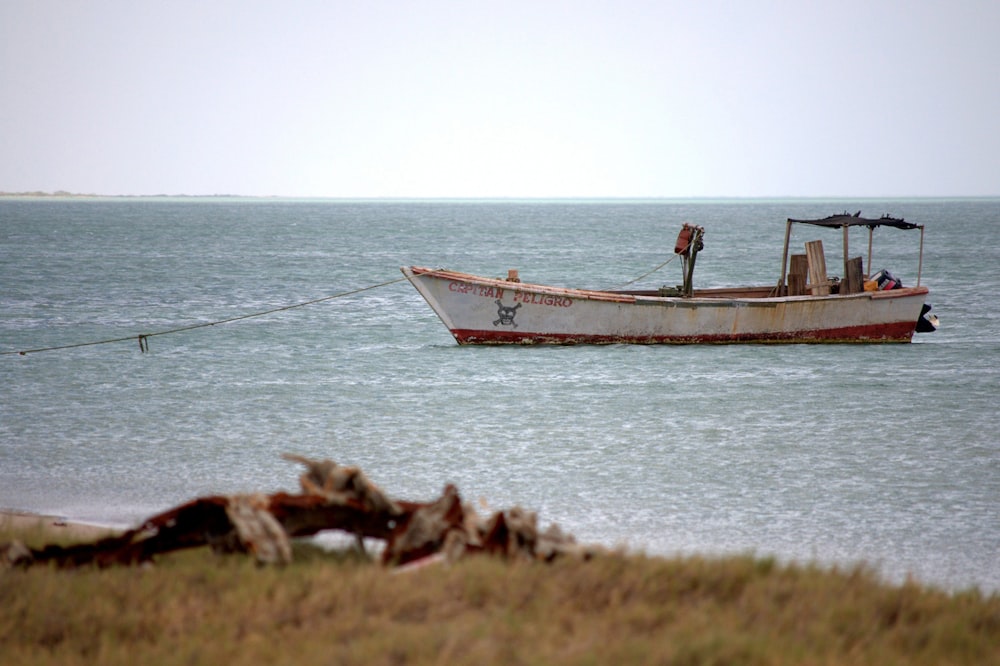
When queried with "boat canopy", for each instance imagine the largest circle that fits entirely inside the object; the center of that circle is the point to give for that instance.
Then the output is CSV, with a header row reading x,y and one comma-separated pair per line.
x,y
846,220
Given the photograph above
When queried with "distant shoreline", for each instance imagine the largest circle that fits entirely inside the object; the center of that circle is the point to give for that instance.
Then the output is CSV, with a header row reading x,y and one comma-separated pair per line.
x,y
53,526
63,194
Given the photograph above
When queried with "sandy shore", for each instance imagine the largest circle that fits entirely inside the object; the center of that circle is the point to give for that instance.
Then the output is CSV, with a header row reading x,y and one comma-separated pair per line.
x,y
52,525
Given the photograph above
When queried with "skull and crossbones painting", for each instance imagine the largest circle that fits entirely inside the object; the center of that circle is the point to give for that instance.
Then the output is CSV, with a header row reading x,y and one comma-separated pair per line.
x,y
506,315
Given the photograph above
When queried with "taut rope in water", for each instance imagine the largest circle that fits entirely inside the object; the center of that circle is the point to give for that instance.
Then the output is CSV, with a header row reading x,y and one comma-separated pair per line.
x,y
143,338
647,273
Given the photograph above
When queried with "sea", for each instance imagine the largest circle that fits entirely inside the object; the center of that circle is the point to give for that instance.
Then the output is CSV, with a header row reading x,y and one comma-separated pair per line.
x,y
880,456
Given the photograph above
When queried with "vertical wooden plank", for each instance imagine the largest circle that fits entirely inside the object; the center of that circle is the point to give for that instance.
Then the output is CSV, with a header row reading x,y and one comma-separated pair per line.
x,y
800,264
819,285
796,284
797,275
854,280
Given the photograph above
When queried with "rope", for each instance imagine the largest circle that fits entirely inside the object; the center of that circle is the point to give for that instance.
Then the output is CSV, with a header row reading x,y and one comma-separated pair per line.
x,y
143,338
647,273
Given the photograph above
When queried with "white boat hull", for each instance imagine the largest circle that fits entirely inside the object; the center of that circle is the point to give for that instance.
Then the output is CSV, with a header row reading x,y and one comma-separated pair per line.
x,y
480,310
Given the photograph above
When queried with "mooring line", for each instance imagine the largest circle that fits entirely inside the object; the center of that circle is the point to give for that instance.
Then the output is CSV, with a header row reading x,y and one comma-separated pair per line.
x,y
143,338
646,274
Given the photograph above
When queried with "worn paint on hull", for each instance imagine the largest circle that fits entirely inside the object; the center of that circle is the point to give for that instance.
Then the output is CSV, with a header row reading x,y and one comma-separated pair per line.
x,y
479,310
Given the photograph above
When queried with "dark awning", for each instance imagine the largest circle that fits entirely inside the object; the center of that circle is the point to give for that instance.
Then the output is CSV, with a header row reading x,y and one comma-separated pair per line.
x,y
846,220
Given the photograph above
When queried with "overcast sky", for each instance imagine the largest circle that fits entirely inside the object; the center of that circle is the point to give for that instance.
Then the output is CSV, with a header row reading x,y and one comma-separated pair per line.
x,y
517,98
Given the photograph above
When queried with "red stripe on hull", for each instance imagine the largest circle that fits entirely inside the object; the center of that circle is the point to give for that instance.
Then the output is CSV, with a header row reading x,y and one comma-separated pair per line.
x,y
897,332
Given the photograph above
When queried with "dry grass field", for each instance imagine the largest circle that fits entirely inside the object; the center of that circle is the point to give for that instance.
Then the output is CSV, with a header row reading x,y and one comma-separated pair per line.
x,y
196,607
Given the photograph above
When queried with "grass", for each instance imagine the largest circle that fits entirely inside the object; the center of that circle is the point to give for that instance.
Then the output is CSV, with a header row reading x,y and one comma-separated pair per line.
x,y
338,608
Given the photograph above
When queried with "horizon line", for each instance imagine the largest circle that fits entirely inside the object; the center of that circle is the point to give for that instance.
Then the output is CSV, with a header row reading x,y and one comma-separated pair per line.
x,y
63,194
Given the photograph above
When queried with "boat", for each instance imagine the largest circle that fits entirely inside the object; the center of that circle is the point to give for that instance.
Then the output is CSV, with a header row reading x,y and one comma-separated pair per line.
x,y
805,305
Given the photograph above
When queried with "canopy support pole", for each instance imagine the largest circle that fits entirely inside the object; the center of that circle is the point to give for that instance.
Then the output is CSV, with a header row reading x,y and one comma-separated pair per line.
x,y
920,262
871,233
784,259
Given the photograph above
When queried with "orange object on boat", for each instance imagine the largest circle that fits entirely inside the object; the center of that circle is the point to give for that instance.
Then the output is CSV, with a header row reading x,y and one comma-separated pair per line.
x,y
683,240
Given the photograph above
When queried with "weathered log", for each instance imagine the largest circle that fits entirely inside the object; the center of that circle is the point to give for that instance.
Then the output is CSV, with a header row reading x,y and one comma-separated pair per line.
x,y
339,484
424,530
333,497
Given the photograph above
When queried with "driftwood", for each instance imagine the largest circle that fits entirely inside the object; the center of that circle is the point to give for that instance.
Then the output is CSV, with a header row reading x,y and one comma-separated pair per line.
x,y
333,497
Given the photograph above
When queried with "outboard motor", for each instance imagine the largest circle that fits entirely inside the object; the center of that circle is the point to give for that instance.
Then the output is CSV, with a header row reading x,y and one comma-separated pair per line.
x,y
926,323
886,280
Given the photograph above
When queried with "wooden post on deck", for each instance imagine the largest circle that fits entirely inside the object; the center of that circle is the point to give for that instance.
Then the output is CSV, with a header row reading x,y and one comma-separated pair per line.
x,y
797,275
819,284
854,280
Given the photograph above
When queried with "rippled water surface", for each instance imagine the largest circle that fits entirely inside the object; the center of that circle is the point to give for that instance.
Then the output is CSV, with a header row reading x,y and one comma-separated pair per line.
x,y
884,454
